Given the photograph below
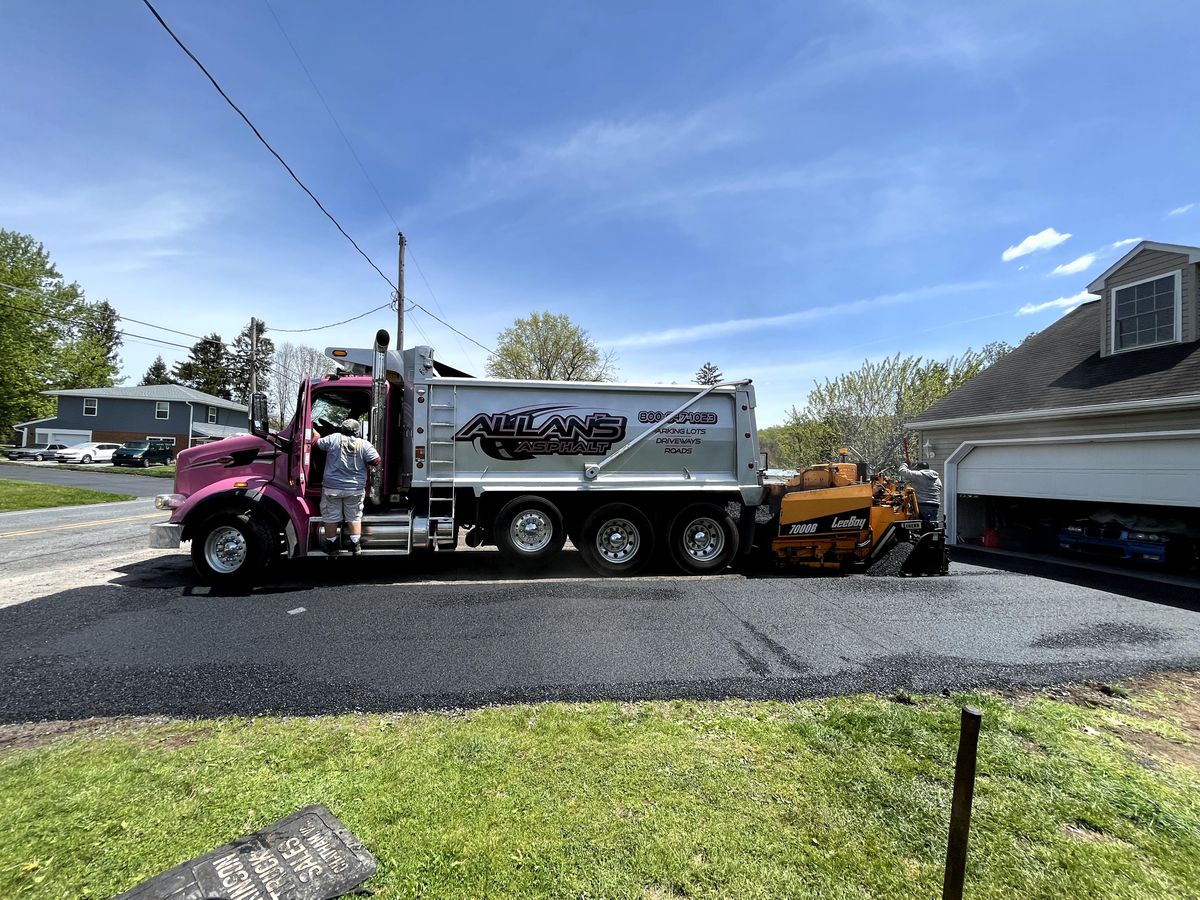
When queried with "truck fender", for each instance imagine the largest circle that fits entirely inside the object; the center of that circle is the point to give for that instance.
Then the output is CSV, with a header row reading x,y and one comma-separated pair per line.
x,y
289,512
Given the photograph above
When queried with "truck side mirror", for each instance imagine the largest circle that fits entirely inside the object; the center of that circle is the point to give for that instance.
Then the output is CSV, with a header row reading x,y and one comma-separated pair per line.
x,y
762,461
260,422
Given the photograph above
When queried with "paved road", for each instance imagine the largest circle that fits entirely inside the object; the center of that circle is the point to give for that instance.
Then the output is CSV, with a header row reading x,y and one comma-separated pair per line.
x,y
145,639
45,540
104,478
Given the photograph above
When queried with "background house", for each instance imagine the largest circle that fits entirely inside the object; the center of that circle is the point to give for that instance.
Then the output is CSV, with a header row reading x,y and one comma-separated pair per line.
x,y
1102,407
181,415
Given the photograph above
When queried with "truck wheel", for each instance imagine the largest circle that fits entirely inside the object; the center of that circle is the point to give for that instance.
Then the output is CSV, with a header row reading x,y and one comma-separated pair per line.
x,y
231,549
616,540
529,530
702,539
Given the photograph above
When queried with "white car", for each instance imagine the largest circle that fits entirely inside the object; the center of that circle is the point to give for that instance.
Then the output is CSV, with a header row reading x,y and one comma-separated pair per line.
x,y
87,453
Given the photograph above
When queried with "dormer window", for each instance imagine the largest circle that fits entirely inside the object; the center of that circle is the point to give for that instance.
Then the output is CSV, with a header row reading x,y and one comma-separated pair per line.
x,y
1146,312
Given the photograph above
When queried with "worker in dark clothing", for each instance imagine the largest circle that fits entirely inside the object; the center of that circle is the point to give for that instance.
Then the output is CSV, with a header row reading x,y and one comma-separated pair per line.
x,y
928,487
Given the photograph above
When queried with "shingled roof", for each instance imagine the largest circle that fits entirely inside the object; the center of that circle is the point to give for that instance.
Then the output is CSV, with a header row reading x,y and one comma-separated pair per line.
x,y
1061,367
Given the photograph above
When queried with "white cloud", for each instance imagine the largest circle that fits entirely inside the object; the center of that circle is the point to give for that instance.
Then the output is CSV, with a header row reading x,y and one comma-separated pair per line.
x,y
709,330
1067,303
1116,245
1180,210
1043,240
1075,266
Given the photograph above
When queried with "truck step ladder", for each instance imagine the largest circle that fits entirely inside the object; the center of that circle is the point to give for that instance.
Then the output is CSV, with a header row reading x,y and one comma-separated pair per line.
x,y
440,459
383,534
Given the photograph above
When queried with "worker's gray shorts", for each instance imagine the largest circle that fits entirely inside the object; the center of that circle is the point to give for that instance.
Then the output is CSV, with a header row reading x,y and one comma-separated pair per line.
x,y
341,506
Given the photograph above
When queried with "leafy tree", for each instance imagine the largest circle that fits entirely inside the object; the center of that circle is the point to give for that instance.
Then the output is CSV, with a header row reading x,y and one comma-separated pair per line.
x,y
241,361
206,368
157,373
708,374
50,336
867,409
550,347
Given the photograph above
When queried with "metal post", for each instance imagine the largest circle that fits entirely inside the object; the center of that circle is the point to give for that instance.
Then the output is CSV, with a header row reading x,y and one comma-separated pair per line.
x,y
400,296
253,355
960,807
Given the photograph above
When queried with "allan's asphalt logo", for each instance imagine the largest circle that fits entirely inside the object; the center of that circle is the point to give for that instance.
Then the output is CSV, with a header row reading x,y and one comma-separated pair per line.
x,y
543,431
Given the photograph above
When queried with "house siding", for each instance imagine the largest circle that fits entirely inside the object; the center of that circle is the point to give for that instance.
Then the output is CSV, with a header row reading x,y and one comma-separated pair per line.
x,y
121,419
1148,264
946,440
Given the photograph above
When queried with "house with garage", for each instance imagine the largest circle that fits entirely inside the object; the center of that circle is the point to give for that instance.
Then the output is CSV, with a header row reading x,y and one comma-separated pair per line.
x,y
1101,410
181,416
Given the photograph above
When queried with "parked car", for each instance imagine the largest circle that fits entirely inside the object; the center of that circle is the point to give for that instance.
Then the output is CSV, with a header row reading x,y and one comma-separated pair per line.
x,y
38,452
144,453
1129,540
87,453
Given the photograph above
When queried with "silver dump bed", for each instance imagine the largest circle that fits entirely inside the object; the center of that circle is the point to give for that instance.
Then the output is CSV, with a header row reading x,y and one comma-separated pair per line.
x,y
504,435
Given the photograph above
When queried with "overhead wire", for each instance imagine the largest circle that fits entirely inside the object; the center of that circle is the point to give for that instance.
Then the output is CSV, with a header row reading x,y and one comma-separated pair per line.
x,y
262,140
367,175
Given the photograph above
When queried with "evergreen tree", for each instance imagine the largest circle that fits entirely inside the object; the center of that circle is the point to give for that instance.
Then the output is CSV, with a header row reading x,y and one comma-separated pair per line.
x,y
88,354
240,363
158,373
206,368
708,374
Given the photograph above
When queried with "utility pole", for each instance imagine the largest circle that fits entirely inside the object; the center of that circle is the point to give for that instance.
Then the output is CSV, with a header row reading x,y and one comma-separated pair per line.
x,y
400,297
253,356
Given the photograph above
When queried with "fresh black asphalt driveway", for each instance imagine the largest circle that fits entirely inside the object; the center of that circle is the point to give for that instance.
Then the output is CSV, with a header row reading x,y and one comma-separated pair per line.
x,y
460,630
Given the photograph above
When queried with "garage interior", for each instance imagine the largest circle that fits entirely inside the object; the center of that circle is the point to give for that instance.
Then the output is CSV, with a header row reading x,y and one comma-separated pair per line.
x,y
1127,500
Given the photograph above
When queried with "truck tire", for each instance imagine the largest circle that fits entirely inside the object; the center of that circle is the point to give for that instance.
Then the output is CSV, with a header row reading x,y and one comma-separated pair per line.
x,y
617,539
702,539
232,549
529,531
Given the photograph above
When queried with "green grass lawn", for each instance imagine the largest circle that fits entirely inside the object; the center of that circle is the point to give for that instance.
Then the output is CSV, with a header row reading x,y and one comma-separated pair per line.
x,y
19,495
845,797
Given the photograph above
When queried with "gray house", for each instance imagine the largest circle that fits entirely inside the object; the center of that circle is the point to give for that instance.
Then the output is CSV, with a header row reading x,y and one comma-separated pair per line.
x,y
1102,407
181,415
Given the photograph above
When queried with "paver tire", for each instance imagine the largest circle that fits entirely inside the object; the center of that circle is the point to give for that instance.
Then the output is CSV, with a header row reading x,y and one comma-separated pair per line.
x,y
617,539
232,549
529,531
702,539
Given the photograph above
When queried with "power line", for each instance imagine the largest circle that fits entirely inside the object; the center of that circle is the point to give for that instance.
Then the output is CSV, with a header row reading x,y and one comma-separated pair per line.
x,y
264,142
332,324
429,288
50,315
362,168
332,117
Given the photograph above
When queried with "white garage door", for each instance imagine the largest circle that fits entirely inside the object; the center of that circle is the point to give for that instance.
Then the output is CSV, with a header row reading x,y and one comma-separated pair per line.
x,y
61,436
1113,469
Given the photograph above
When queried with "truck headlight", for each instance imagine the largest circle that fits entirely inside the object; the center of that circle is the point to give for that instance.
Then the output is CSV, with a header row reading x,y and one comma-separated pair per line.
x,y
169,501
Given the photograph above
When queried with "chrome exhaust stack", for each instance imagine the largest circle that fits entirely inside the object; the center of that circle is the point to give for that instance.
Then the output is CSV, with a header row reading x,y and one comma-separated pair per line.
x,y
379,415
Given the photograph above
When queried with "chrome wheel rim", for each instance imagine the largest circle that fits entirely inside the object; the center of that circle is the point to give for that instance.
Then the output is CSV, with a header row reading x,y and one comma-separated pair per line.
x,y
703,539
225,549
531,531
618,540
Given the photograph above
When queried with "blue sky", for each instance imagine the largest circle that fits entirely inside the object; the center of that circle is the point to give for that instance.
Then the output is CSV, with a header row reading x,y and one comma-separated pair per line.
x,y
784,189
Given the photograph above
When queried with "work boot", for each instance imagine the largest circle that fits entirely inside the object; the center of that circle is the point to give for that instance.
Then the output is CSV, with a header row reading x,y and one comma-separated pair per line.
x,y
356,548
331,547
